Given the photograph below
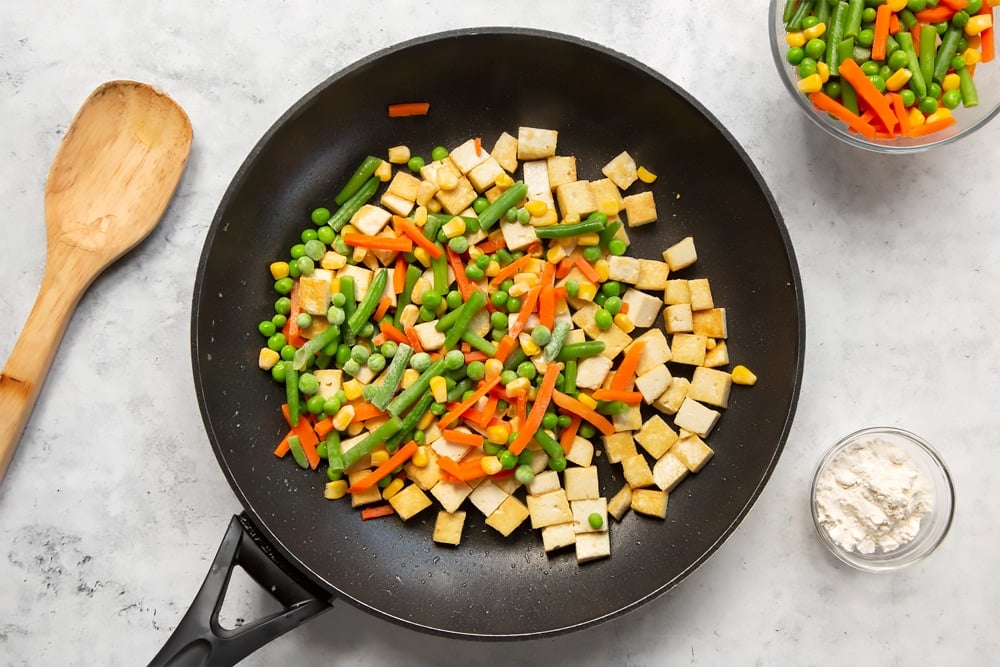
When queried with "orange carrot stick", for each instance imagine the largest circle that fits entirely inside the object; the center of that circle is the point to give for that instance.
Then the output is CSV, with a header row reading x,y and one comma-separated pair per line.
x,y
450,416
882,16
412,338
986,40
377,512
568,435
399,458
542,400
465,286
931,128
399,275
935,14
509,270
824,102
625,375
865,89
475,355
392,333
567,402
547,307
630,397
900,110
378,242
505,347
462,438
956,5
323,426
527,306
478,143
363,411
588,271
894,25
417,236
409,109
383,307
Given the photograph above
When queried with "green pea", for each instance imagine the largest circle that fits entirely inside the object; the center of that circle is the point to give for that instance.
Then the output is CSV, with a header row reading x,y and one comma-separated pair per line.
x,y
308,235
498,299
438,409
420,361
304,320
564,421
795,55
278,371
491,448
927,105
898,60
916,5
809,21
415,163
454,360
557,464
439,153
297,250
951,99
341,246
958,63
305,265
472,271
277,341
541,335
332,405
550,420
815,48
338,299
419,437
459,244
333,474
908,96
480,204
293,270
367,330
308,384
426,314
526,369
454,299
497,335
523,216
283,305
941,27
483,261
611,288
326,234
603,319
376,362
279,320
508,459
389,349
360,353
617,247
507,376
343,355
476,371
335,315
267,328
498,320
878,82
833,89
885,71
432,299
507,284
960,18
287,352
352,367
973,7
870,68
572,287
511,214
315,405
867,15
613,305
315,249
283,285
586,431
934,90
320,216
595,520
513,304
591,253
524,474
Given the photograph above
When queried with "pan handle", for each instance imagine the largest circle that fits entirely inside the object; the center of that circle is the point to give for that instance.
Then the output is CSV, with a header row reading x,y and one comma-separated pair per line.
x,y
200,639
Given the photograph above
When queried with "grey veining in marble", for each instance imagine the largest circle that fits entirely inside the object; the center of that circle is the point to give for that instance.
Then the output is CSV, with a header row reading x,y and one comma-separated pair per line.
x,y
114,504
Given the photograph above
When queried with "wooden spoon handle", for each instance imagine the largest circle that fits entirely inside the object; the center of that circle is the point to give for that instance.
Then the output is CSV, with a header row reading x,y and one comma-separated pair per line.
x,y
23,375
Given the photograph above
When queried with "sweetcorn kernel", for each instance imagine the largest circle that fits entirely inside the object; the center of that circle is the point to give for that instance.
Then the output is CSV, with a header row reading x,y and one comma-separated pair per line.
x,y
399,154
609,207
536,207
426,421
493,268
439,388
278,270
795,38
603,268
422,256
586,291
940,114
420,216
556,253
503,180
951,81
383,171
587,400
645,175
420,457
493,368
624,322
810,84
743,375
898,79
335,490
518,388
378,457
353,389
590,239
267,359
409,377
332,261
498,434
391,489
491,465
343,418
814,32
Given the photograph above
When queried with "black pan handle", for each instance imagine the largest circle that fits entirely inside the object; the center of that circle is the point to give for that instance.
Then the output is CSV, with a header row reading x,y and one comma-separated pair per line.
x,y
200,639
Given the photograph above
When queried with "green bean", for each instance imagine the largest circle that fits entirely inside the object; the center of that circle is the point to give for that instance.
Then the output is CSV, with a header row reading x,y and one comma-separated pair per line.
x,y
949,45
566,230
297,452
292,394
576,350
413,274
462,386
350,305
926,53
368,305
361,174
439,271
305,353
549,444
411,420
445,322
479,343
853,24
822,12
377,437
476,301
390,382
351,206
409,395
556,343
786,15
835,37
509,198
334,457
609,232
917,82
967,87
612,407
907,18
569,377
795,22
515,359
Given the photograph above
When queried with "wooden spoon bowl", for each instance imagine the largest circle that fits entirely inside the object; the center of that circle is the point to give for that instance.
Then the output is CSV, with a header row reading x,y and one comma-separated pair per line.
x,y
112,178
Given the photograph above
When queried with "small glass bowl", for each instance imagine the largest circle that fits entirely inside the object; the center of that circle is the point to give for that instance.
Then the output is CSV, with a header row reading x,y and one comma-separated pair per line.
x,y
967,120
933,526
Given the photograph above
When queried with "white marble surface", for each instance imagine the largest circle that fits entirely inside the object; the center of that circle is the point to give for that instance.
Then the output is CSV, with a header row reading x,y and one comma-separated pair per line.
x,y
114,505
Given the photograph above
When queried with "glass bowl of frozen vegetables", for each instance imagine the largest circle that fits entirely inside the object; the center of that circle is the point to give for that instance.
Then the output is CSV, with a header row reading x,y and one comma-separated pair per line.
x,y
899,76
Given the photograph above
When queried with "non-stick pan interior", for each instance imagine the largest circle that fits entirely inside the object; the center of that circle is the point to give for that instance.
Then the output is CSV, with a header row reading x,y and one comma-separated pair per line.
x,y
480,83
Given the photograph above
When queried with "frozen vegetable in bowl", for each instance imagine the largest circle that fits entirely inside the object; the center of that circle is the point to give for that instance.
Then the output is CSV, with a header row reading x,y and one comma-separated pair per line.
x,y
899,77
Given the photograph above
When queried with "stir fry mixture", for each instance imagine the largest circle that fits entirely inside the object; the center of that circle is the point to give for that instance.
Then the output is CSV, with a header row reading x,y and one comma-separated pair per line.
x,y
471,337
895,69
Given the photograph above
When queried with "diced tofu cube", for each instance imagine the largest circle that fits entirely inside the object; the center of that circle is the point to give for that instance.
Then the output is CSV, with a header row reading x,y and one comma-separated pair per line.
x,y
711,386
668,471
631,420
607,196
655,353
544,482
424,476
621,170
651,502
718,356
670,401
692,452
652,274
582,509
372,494
623,269
615,340
677,318
509,484
695,417
508,516
466,156
676,291
370,219
561,168
701,294
580,453
487,497
517,236
404,185
534,143
457,199
592,546
536,179
549,509
453,450
581,483
485,174
575,198
330,381
448,527
430,338
637,471
591,371
505,152
451,494
619,446
688,348
314,292
710,323
558,536
654,382
656,436
643,308
681,255
409,501
620,502
640,209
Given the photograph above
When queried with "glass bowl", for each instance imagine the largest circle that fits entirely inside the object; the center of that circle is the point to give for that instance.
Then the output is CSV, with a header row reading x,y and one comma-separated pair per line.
x,y
862,447
987,79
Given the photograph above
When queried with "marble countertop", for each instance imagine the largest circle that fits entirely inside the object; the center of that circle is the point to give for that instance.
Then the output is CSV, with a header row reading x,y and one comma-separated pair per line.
x,y
114,505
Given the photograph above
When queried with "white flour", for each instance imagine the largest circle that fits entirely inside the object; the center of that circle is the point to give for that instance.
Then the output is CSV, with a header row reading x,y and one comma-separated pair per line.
x,y
872,496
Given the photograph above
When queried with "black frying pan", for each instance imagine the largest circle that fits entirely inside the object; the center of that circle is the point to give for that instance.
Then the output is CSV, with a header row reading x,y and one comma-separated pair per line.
x,y
309,551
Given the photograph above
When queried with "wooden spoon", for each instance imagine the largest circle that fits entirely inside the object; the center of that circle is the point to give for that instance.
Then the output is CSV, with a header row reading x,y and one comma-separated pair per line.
x,y
110,182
